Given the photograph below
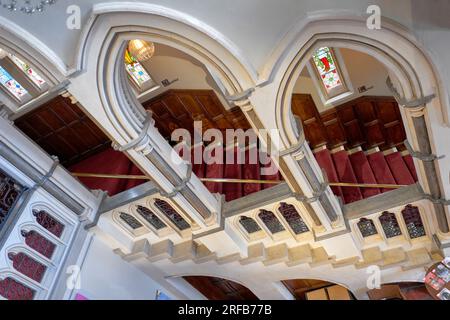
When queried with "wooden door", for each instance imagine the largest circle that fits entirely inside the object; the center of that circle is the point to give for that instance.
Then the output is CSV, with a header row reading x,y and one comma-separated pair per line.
x,y
220,289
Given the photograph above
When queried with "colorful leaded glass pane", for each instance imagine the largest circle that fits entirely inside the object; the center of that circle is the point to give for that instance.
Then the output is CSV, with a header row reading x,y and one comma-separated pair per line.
x,y
170,213
390,225
293,218
249,224
130,220
36,78
150,217
11,84
413,221
136,70
367,227
13,290
326,66
271,221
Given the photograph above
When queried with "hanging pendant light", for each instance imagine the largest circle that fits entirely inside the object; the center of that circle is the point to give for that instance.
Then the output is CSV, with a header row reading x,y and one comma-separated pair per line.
x,y
141,50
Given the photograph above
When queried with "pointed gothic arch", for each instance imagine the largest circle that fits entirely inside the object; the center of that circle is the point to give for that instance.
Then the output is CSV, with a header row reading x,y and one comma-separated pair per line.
x,y
417,83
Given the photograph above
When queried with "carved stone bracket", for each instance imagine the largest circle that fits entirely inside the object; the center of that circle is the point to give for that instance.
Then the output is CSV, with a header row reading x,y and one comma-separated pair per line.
x,y
416,105
316,194
141,142
420,155
181,186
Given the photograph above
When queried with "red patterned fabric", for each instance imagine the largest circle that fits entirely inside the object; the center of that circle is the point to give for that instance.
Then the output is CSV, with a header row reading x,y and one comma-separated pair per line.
x,y
28,266
399,169
13,290
39,243
346,174
364,173
381,169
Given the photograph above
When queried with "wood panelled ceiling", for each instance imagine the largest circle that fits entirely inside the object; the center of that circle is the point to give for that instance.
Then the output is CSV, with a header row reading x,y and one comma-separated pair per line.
x,y
64,130
180,108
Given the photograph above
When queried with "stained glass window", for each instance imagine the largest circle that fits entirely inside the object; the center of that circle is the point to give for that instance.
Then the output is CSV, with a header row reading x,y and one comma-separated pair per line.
x,y
326,67
413,221
130,220
249,224
271,221
367,227
170,213
293,218
150,217
390,225
36,78
48,222
11,84
136,70
14,290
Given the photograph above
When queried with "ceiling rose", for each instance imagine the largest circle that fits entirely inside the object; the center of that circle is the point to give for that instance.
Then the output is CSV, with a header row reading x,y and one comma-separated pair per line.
x,y
141,50
26,6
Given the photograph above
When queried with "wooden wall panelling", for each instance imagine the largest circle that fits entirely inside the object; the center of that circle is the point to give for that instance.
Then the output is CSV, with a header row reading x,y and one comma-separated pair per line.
x,y
62,129
367,121
303,106
180,108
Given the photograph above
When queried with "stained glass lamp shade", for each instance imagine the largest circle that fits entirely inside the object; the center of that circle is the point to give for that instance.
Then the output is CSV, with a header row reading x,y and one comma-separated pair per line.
x,y
326,67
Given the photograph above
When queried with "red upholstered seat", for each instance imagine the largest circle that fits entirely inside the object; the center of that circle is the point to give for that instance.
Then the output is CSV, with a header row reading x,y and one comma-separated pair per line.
x,y
251,171
233,170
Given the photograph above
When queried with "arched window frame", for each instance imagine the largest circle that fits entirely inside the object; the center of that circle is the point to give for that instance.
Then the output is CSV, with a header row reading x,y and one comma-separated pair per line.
x,y
159,232
337,94
182,233
257,235
140,89
125,226
399,237
281,235
304,236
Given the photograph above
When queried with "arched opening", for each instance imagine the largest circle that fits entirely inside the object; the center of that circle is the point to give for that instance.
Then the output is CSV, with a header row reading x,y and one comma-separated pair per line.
x,y
415,86
215,288
313,289
352,122
190,111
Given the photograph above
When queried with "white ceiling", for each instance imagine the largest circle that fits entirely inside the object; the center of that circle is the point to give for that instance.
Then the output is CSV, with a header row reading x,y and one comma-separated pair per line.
x,y
255,26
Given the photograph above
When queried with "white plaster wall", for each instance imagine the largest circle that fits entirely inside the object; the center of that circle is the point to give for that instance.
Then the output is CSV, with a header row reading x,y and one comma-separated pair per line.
x,y
104,275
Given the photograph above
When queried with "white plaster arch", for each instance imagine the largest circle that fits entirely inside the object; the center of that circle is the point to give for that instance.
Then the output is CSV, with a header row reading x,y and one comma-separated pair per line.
x,y
392,45
16,40
112,24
